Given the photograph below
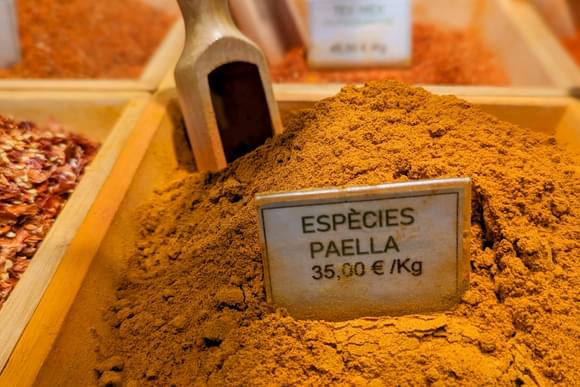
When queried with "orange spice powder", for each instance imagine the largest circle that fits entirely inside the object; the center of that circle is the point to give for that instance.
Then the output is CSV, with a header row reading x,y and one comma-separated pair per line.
x,y
572,44
86,39
440,56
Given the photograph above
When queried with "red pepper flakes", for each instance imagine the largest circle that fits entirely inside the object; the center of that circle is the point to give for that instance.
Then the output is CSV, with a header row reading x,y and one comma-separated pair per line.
x,y
86,38
39,168
440,56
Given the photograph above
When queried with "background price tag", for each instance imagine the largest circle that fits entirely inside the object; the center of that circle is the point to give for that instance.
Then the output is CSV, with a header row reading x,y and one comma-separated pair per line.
x,y
336,254
9,38
346,33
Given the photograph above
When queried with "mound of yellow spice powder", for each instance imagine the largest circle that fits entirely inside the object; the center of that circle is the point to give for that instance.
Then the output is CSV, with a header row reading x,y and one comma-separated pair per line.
x,y
192,311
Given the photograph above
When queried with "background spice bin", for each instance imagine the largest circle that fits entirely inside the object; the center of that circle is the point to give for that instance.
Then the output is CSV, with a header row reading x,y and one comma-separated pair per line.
x,y
162,60
504,29
505,33
529,52
59,334
108,118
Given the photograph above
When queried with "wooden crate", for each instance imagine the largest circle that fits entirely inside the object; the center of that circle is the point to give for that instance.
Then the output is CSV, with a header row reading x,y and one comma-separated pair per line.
x,y
105,117
503,32
507,31
57,347
162,60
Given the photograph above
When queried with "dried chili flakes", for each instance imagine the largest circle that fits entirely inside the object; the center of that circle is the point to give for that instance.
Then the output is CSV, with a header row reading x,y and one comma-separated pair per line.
x,y
86,39
39,168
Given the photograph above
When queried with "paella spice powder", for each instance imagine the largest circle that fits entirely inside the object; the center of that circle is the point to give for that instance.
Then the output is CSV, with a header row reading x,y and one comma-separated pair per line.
x,y
192,311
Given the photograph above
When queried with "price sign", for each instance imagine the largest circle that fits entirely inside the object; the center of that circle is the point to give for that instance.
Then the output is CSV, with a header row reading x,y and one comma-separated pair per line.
x,y
346,33
9,40
343,253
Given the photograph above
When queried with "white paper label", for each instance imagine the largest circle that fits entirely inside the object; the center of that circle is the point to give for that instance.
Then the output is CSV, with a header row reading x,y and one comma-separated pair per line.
x,y
365,251
9,39
346,33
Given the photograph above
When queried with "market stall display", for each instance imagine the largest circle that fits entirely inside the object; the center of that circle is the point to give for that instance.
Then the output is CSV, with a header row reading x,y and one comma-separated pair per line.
x,y
154,273
84,44
44,174
522,265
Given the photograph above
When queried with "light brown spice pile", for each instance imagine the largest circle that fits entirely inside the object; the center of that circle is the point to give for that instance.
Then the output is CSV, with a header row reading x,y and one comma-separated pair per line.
x,y
192,311
440,56
86,39
39,168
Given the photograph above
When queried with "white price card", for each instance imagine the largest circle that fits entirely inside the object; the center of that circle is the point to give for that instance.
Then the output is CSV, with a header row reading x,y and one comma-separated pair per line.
x,y
390,249
9,39
361,33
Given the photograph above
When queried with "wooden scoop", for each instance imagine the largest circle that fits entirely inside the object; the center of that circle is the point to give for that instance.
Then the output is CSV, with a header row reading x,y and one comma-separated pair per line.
x,y
224,87
9,40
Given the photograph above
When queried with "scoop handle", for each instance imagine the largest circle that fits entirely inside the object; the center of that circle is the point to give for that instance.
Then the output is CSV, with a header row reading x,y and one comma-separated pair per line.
x,y
9,39
257,20
207,20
